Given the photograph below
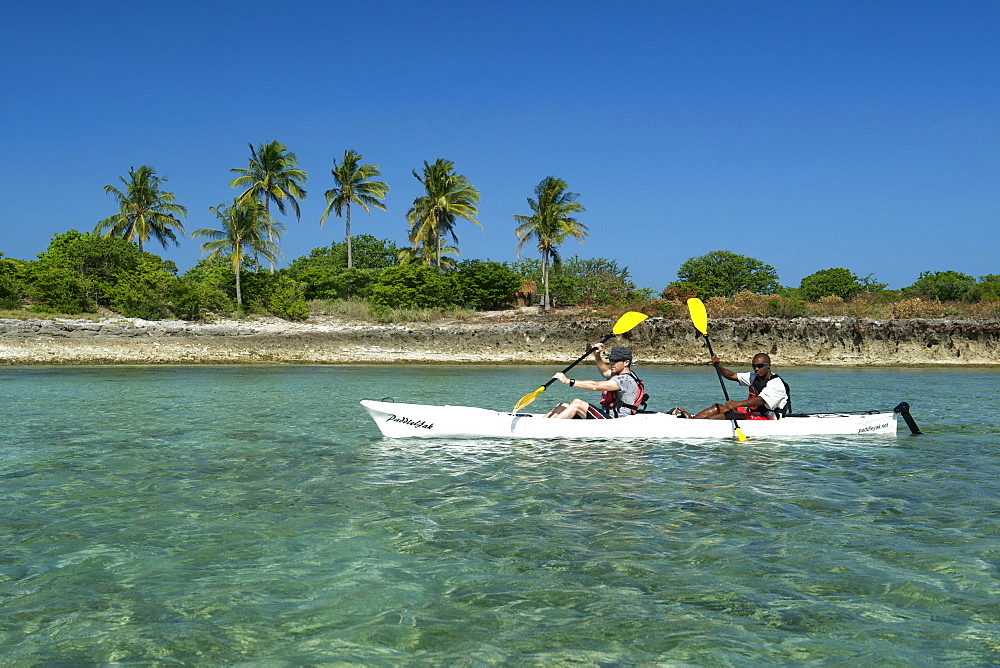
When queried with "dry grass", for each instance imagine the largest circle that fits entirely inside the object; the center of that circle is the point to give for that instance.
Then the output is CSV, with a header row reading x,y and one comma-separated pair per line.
x,y
359,311
23,314
751,305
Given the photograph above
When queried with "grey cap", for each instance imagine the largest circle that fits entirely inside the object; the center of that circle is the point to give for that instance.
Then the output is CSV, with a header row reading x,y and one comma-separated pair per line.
x,y
620,353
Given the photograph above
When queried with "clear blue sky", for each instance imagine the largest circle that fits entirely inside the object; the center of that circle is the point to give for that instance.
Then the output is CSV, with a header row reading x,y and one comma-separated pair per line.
x,y
806,134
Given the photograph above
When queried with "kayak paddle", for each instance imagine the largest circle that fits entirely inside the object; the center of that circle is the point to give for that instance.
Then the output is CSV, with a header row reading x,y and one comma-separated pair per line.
x,y
699,316
624,324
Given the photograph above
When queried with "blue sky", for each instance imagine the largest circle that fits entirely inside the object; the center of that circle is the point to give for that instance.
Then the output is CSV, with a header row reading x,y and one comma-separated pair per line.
x,y
806,134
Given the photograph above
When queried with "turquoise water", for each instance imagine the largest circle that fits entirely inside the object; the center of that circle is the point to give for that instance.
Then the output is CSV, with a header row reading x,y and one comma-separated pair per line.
x,y
228,515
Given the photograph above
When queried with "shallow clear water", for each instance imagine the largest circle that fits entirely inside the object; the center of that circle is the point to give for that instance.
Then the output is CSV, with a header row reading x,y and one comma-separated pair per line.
x,y
223,515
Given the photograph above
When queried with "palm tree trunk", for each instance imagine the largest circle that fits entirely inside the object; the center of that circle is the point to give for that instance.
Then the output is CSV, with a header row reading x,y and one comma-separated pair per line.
x,y
236,269
545,279
267,207
350,259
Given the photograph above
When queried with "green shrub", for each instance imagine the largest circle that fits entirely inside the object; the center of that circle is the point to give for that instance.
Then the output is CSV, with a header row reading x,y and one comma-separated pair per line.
x,y
79,272
724,273
415,286
784,307
59,290
600,282
987,289
941,285
487,285
275,294
325,274
837,282
12,283
196,300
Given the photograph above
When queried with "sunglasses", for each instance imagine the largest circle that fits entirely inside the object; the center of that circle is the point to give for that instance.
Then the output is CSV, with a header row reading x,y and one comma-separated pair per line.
x,y
760,366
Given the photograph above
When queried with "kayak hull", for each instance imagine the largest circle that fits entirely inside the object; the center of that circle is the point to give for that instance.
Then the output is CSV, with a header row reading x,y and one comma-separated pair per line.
x,y
400,420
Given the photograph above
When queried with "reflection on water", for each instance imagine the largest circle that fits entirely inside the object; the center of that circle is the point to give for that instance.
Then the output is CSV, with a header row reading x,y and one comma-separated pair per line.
x,y
253,514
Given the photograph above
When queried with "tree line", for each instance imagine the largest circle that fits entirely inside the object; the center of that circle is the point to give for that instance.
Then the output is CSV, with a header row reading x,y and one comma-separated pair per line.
x,y
110,267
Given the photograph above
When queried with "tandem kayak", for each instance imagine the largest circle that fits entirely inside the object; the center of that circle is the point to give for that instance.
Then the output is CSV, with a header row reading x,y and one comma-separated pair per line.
x,y
400,420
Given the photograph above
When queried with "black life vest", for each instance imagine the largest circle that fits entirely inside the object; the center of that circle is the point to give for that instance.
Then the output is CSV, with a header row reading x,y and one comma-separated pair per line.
x,y
757,385
611,399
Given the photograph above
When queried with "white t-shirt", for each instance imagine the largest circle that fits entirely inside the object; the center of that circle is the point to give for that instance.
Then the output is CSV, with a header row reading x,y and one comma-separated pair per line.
x,y
773,394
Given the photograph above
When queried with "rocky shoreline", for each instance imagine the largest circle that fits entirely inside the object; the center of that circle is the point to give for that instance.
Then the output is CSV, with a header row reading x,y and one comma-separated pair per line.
x,y
503,338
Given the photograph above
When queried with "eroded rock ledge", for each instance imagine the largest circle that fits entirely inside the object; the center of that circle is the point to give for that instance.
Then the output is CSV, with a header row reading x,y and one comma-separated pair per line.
x,y
806,341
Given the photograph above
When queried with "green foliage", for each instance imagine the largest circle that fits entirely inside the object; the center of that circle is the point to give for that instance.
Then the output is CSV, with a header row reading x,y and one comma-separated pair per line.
x,y
274,293
147,292
837,282
415,286
591,281
79,272
941,285
59,290
370,252
487,285
210,287
324,271
348,284
12,284
987,289
600,282
785,307
199,300
723,273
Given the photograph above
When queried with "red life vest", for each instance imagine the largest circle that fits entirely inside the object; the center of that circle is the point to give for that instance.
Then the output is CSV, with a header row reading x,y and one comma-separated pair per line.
x,y
611,399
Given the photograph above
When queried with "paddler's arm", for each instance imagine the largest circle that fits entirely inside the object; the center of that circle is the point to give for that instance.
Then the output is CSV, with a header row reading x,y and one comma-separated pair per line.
x,y
593,385
755,402
726,373
602,366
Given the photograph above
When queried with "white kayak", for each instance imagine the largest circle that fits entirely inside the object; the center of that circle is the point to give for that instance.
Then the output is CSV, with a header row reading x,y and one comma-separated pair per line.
x,y
399,420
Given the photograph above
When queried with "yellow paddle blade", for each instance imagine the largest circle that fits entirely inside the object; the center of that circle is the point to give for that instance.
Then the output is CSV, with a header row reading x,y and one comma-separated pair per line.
x,y
699,316
739,435
629,320
528,398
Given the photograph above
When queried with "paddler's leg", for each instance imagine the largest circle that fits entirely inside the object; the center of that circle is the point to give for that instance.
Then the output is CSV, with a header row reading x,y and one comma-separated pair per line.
x,y
575,409
556,410
717,412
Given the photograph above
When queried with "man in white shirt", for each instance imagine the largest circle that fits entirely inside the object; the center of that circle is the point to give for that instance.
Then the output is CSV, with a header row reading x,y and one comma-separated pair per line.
x,y
767,400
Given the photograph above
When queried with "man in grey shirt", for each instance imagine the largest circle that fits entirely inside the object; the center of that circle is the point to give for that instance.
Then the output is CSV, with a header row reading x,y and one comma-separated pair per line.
x,y
622,392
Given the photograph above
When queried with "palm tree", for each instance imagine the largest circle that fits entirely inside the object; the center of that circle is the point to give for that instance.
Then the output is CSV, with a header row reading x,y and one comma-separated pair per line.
x,y
145,210
244,229
449,196
272,177
353,187
424,254
550,224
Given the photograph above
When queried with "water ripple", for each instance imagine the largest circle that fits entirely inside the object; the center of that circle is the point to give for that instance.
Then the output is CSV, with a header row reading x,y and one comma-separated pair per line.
x,y
243,515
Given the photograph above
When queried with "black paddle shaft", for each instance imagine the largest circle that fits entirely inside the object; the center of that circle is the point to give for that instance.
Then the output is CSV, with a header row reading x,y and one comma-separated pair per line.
x,y
717,371
581,358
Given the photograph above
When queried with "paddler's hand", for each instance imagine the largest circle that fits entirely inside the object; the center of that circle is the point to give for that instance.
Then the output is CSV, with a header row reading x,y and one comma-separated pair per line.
x,y
714,361
561,377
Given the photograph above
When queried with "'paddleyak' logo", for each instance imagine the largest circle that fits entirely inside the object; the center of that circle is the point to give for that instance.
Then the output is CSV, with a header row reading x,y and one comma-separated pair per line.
x,y
413,423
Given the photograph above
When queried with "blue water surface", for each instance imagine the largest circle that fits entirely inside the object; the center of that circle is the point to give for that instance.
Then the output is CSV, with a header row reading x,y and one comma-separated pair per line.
x,y
253,514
